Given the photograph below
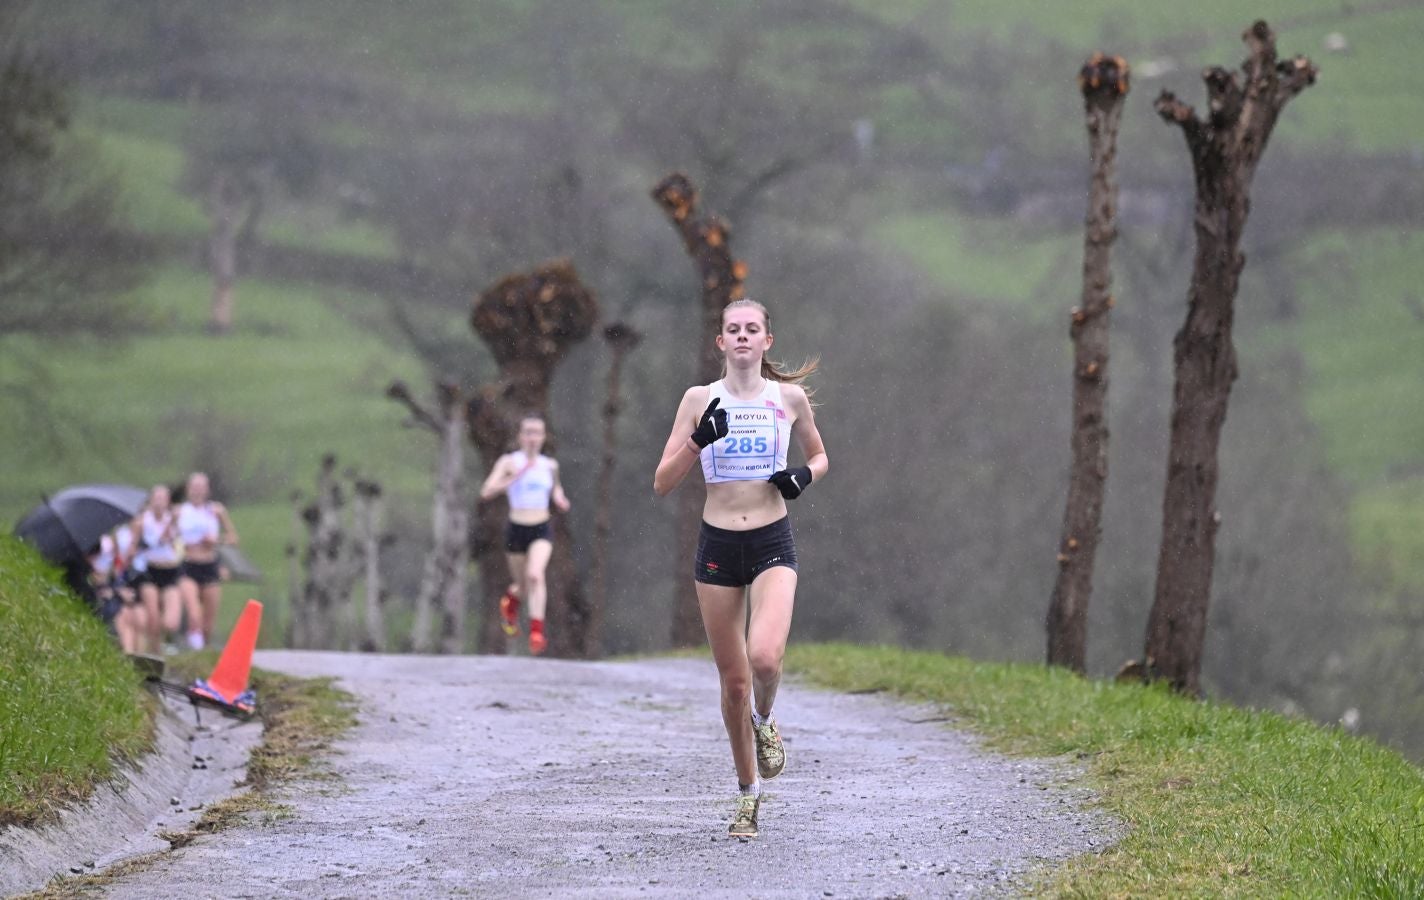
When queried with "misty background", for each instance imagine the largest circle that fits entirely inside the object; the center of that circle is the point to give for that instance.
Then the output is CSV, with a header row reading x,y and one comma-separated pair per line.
x,y
906,182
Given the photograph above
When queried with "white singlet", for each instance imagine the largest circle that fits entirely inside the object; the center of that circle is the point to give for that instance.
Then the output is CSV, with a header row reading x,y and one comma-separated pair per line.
x,y
196,523
161,551
758,431
531,490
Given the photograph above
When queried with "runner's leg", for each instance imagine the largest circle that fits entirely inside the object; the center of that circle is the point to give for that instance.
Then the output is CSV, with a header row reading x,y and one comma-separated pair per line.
x,y
536,589
192,611
153,619
211,597
773,594
724,616
175,602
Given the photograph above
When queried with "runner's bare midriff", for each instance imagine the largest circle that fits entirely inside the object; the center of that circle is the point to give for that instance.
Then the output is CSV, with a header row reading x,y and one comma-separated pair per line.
x,y
200,553
528,516
743,505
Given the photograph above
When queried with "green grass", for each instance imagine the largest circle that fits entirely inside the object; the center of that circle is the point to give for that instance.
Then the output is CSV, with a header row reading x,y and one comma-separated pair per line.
x,y
70,703
1217,800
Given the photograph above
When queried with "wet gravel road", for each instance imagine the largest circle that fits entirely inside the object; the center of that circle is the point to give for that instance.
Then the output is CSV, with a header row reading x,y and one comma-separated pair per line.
x,y
494,776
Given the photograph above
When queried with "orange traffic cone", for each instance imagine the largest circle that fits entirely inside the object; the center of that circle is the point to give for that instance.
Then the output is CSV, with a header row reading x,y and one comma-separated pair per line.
x,y
228,683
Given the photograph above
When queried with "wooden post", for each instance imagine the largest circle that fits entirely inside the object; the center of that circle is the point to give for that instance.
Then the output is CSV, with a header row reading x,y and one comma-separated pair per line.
x,y
621,339
1225,146
368,523
708,241
1104,84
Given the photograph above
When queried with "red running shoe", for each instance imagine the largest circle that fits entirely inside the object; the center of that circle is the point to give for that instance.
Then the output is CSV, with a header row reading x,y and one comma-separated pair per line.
x,y
509,613
537,641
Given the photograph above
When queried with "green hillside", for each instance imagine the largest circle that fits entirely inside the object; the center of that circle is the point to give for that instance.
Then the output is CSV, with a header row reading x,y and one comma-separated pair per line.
x,y
303,373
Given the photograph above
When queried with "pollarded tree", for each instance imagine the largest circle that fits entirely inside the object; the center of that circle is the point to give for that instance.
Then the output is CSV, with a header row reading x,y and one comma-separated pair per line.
x,y
529,321
1226,147
707,239
1104,83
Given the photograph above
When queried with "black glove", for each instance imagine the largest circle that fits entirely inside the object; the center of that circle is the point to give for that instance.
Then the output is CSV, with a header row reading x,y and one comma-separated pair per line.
x,y
711,426
791,482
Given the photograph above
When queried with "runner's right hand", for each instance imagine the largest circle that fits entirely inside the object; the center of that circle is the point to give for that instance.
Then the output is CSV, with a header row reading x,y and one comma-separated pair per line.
x,y
711,426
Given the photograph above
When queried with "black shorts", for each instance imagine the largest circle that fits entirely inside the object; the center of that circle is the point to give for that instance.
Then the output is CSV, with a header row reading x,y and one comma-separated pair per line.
x,y
204,573
161,577
736,558
517,538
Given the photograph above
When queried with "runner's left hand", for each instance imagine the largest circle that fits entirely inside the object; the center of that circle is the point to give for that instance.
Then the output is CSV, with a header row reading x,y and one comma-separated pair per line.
x,y
791,482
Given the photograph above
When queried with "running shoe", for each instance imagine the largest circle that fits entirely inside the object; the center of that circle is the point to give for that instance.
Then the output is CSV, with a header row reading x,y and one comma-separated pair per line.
x,y
509,613
771,753
537,642
744,824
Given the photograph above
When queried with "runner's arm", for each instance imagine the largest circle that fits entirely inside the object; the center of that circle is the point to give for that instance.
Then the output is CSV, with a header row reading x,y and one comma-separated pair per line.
x,y
561,500
680,454
500,477
807,435
229,531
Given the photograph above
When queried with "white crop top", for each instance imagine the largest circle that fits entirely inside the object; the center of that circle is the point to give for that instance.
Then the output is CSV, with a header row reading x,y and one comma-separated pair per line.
x,y
531,490
196,523
758,432
161,551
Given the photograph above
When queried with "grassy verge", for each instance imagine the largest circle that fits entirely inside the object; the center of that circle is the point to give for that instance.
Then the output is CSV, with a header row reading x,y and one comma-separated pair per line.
x,y
70,704
1218,800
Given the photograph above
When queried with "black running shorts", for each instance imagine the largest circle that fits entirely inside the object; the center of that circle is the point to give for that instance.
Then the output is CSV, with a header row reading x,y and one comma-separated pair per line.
x,y
204,573
736,558
517,538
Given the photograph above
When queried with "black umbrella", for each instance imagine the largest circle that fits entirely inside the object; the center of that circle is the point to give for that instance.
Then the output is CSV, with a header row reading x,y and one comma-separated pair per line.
x,y
66,527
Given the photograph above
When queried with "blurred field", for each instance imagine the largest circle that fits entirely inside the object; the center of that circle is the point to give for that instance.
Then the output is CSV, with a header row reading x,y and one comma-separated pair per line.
x,y
304,373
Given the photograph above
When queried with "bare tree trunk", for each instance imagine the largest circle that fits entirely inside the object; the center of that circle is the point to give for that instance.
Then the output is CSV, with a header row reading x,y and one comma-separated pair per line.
x,y
621,339
707,240
225,210
1104,83
1225,149
368,515
529,321
444,581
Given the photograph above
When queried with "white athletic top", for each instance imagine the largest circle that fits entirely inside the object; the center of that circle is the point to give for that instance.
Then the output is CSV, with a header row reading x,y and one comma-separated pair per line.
x,y
136,555
531,490
196,523
758,432
160,550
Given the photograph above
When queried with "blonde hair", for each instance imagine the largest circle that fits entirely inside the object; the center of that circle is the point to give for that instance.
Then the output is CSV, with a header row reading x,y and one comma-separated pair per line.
x,y
771,369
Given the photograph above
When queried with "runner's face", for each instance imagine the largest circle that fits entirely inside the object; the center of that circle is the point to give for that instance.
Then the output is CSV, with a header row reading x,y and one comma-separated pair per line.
x,y
197,489
531,436
744,338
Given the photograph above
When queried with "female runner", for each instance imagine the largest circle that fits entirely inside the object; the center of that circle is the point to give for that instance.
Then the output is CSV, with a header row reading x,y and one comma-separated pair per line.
x,y
202,524
531,480
738,428
158,568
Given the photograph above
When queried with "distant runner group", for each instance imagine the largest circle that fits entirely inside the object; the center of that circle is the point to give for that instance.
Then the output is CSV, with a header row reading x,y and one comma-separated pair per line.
x,y
159,575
